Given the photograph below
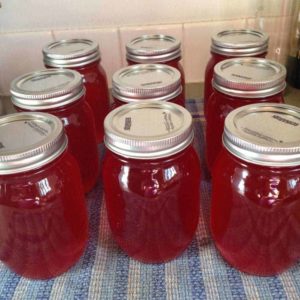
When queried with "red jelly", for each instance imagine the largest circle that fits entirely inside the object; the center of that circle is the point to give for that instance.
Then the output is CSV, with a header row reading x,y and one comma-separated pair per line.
x,y
83,56
229,44
255,220
151,179
156,49
147,82
239,82
43,224
61,93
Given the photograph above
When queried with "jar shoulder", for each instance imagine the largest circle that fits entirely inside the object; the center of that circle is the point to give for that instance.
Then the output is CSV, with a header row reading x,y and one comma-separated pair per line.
x,y
38,187
163,173
267,186
186,158
185,165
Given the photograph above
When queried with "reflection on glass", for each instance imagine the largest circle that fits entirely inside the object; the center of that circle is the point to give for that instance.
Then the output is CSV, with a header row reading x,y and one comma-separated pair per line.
x,y
124,178
169,173
44,187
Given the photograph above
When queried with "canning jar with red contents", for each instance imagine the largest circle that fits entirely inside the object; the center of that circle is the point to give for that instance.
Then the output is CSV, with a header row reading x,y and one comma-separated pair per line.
x,y
150,82
43,224
151,176
230,44
238,82
61,93
83,56
255,213
156,49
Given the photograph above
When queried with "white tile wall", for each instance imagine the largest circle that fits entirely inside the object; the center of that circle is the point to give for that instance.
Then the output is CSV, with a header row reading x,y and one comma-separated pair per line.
x,y
279,30
20,53
67,14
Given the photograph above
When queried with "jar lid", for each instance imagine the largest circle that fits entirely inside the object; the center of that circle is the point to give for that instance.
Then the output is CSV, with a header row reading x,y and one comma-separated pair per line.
x,y
153,48
47,89
148,130
146,81
249,77
71,53
264,134
240,42
29,141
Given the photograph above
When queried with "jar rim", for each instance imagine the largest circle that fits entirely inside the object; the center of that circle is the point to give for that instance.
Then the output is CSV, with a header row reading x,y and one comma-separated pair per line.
x,y
240,42
264,134
47,89
146,81
148,130
249,77
71,53
43,140
153,48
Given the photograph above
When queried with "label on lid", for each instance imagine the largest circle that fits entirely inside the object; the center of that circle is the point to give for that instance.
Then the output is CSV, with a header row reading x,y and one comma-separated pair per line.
x,y
28,133
269,128
46,82
248,72
146,130
266,134
148,122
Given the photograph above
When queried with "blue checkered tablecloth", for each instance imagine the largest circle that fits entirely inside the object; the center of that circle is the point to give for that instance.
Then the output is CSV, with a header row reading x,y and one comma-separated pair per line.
x,y
105,272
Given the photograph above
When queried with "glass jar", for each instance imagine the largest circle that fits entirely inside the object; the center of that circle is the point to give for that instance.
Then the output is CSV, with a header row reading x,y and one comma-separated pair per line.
x,y
151,177
238,82
61,93
255,219
147,82
230,44
156,49
44,225
84,57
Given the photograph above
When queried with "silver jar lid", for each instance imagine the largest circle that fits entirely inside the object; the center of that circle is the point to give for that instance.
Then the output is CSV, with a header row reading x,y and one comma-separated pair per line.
x,y
29,141
71,53
148,130
47,89
240,42
264,134
249,77
154,48
146,81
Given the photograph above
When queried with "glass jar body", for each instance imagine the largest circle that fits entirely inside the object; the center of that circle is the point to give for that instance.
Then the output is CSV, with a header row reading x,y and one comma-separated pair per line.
x,y
175,63
44,225
209,73
219,106
79,126
255,215
97,95
153,205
